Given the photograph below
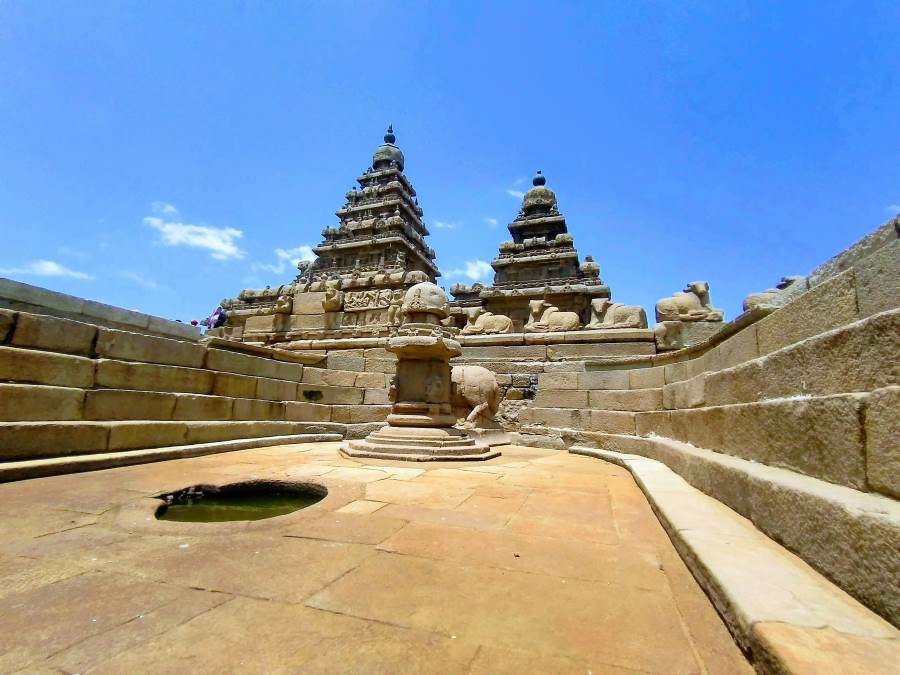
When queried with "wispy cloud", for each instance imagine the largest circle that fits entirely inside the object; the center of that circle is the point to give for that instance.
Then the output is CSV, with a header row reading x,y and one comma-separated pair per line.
x,y
140,280
44,268
476,270
164,208
285,256
892,209
252,282
73,253
219,241
493,222
442,225
518,194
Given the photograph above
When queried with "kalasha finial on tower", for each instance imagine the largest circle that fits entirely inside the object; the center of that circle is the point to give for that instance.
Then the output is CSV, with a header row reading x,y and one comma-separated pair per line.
x,y
538,179
389,136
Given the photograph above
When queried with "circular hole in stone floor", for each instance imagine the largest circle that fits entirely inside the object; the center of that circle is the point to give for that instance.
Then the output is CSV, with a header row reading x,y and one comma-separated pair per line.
x,y
254,500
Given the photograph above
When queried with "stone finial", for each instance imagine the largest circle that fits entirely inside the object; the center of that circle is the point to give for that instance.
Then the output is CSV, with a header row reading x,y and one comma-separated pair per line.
x,y
389,136
539,179
425,303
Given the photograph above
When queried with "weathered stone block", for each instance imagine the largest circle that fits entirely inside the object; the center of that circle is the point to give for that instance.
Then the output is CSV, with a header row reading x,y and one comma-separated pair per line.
x,y
29,365
883,441
629,400
306,412
611,422
388,366
599,349
242,364
199,407
536,352
276,390
326,394
53,334
235,386
657,423
830,305
646,378
370,381
561,398
558,417
308,303
376,397
24,402
132,435
120,404
152,377
355,414
7,322
878,280
739,348
604,379
346,360
117,344
301,322
523,380
559,380
685,394
35,295
175,329
253,409
267,323
515,394
33,440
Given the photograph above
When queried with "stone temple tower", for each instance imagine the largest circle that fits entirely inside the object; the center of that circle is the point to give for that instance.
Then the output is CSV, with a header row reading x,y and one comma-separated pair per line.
x,y
381,229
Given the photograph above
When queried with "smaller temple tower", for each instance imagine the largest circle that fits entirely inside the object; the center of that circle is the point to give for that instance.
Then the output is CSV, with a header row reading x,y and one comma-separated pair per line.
x,y
539,263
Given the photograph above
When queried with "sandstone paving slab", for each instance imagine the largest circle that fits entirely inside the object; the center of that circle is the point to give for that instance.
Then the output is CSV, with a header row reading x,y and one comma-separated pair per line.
x,y
358,475
549,480
449,517
362,506
273,567
414,492
566,505
252,636
479,503
67,543
62,614
596,531
570,559
25,521
514,610
18,574
499,661
397,472
352,528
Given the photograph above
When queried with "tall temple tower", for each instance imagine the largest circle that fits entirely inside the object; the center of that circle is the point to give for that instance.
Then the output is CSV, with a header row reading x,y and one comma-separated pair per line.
x,y
540,262
381,229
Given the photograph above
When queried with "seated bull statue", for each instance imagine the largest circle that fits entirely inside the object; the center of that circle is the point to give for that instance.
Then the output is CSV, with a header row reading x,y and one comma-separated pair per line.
x,y
481,322
544,317
767,296
474,389
608,314
692,304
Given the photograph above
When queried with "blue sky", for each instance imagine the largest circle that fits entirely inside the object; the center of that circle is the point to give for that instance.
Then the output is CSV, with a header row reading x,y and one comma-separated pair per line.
x,y
163,155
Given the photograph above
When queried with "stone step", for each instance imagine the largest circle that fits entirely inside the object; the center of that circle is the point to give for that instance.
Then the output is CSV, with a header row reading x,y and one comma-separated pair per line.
x,y
783,613
850,537
34,440
602,399
35,468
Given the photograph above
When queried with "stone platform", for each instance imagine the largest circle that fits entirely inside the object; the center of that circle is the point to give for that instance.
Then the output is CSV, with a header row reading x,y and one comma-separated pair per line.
x,y
536,561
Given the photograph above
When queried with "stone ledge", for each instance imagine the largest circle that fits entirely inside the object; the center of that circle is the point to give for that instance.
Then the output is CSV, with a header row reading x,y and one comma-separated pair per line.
x,y
10,471
756,584
851,537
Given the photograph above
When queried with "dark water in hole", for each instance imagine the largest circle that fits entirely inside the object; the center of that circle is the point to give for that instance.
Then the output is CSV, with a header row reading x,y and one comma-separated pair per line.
x,y
222,508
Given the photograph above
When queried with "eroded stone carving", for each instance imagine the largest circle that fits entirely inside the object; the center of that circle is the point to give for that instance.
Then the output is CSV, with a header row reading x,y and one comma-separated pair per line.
x,y
333,300
544,318
769,295
481,322
475,388
607,314
692,304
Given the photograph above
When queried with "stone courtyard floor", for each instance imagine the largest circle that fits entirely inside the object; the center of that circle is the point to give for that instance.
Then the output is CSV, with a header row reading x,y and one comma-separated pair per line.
x,y
536,561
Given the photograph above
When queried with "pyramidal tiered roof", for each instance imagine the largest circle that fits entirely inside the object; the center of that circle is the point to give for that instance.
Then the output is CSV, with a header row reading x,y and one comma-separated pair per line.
x,y
381,231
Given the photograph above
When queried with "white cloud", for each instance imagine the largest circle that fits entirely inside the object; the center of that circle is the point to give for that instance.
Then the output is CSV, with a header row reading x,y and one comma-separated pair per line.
x,y
164,208
520,181
141,281
45,268
893,209
518,194
441,225
220,241
285,256
476,270
493,222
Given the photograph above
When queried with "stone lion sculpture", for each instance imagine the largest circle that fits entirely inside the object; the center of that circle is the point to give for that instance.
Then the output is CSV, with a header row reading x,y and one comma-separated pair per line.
x,y
284,304
607,314
692,304
481,322
544,317
333,300
475,389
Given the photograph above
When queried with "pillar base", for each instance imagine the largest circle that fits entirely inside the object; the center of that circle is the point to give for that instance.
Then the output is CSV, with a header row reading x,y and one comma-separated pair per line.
x,y
419,444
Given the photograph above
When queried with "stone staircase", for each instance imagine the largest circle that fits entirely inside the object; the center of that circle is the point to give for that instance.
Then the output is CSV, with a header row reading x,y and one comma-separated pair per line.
x,y
70,388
